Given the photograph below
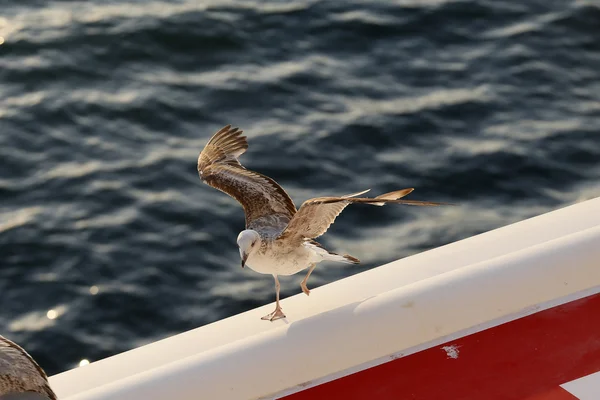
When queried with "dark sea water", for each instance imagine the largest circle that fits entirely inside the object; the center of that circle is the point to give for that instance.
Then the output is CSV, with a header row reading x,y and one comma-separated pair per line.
x,y
104,107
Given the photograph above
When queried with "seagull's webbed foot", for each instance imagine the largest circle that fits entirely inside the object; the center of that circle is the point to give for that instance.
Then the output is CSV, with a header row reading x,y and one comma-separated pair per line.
x,y
277,314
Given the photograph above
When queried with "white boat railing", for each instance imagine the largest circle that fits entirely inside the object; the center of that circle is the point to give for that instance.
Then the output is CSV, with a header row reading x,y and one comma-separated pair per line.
x,y
364,320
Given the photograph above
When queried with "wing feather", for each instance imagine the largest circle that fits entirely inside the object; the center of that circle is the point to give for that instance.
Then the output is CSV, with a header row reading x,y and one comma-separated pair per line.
x,y
316,215
19,372
264,200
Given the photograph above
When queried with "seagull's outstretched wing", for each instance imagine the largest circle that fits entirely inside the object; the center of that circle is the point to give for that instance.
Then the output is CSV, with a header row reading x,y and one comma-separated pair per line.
x,y
265,202
316,215
19,373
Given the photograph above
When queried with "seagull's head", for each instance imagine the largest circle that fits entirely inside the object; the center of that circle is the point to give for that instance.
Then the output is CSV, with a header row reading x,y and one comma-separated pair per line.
x,y
248,242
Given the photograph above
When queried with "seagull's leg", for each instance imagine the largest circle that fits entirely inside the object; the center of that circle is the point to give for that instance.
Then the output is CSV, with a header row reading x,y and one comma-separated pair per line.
x,y
278,313
303,283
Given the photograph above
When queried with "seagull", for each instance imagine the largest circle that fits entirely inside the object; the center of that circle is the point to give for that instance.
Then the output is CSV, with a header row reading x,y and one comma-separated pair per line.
x,y
278,239
20,376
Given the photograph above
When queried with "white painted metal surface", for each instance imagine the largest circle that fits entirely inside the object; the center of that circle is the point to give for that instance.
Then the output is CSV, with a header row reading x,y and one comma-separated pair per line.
x,y
586,388
398,308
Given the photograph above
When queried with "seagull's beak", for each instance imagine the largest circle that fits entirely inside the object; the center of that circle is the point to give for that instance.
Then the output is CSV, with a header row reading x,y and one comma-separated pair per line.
x,y
244,258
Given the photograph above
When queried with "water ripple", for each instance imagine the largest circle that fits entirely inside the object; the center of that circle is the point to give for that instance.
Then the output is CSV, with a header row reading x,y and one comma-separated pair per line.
x,y
105,105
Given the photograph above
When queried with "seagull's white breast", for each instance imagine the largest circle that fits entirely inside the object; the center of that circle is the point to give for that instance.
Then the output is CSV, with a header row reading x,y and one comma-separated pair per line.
x,y
277,259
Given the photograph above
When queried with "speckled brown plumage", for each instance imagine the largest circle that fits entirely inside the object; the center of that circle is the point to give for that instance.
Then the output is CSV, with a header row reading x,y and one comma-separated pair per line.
x,y
316,215
264,201
278,239
20,373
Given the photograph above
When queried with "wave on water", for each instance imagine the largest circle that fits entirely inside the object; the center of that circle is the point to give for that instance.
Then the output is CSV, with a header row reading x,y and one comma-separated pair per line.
x,y
104,107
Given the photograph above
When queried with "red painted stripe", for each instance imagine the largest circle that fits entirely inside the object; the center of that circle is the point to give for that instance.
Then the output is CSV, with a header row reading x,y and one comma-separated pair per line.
x,y
557,393
517,360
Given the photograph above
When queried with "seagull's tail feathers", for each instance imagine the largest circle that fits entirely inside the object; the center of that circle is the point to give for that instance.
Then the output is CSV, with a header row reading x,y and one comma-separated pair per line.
x,y
325,254
350,260
346,258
